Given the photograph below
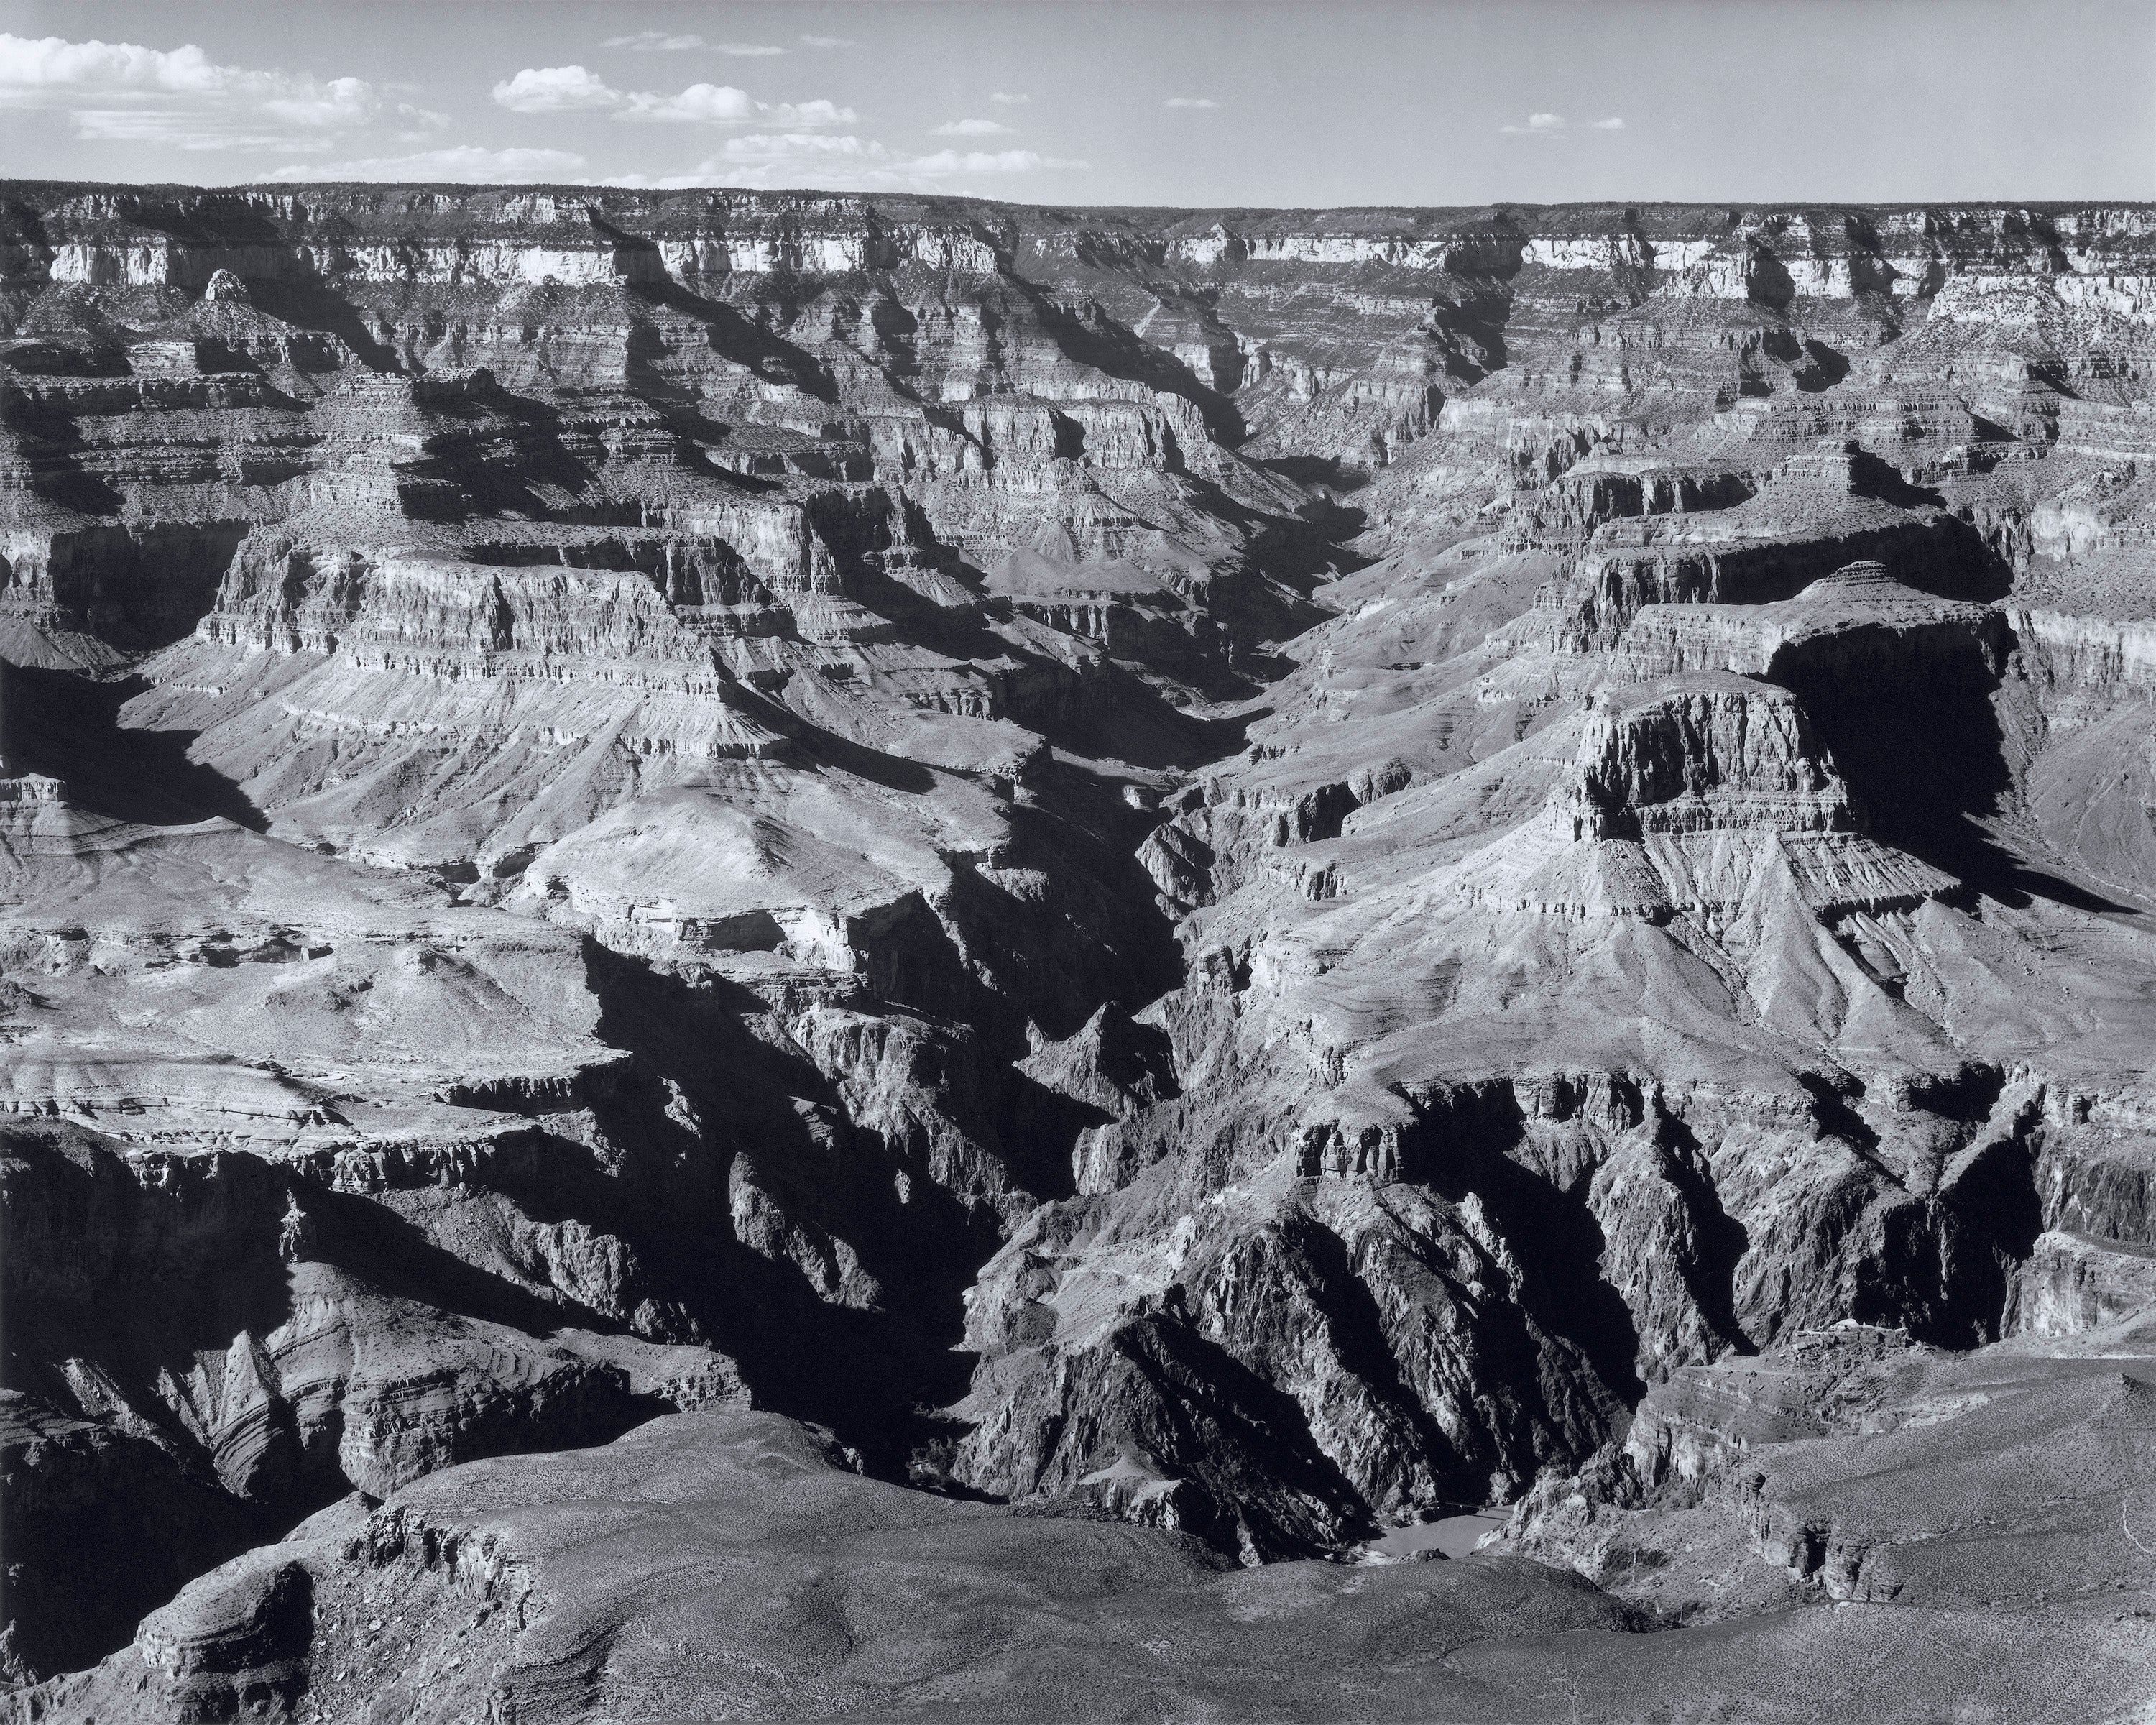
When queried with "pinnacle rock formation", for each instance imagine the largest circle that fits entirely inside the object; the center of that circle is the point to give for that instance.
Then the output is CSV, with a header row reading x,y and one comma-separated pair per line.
x,y
893,957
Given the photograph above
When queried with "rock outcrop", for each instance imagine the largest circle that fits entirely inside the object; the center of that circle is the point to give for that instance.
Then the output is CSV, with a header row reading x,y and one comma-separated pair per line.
x,y
718,1562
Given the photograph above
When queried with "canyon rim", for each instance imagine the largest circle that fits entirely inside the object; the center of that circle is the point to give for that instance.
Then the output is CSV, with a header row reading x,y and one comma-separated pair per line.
x,y
806,940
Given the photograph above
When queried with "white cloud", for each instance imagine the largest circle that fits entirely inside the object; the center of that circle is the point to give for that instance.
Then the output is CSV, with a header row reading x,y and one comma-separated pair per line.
x,y
654,42
1011,98
467,163
51,63
840,162
764,160
666,42
709,103
969,129
179,96
818,112
722,104
178,129
1553,125
828,42
1190,102
555,89
945,163
418,123
333,106
794,145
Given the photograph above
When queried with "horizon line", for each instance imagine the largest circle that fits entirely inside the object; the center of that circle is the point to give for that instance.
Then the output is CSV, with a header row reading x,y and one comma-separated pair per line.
x,y
295,188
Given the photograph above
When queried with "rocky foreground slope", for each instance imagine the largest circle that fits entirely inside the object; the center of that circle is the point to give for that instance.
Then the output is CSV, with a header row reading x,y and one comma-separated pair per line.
x,y
1260,874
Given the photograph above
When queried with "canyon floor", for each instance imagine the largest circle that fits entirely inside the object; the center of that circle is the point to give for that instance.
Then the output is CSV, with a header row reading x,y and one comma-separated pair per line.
x,y
783,955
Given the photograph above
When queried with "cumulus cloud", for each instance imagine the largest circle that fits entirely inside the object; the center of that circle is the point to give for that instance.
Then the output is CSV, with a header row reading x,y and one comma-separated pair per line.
x,y
828,42
181,98
818,112
467,163
1190,102
1614,123
1011,98
555,89
671,42
704,103
969,129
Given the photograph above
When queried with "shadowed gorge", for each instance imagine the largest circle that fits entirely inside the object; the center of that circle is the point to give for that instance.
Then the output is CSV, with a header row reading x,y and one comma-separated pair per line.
x,y
888,957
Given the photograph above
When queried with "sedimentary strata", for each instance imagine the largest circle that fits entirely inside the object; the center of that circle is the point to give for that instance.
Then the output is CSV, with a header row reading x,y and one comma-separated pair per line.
x,y
1256,874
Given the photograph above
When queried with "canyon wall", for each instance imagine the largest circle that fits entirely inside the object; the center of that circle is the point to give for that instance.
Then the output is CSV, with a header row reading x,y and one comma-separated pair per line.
x,y
1256,872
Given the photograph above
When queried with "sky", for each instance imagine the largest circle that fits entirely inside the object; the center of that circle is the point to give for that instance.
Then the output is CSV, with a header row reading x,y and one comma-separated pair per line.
x,y
1175,102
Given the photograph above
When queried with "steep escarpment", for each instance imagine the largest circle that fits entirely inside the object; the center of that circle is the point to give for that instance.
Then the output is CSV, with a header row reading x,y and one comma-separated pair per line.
x,y
1259,873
